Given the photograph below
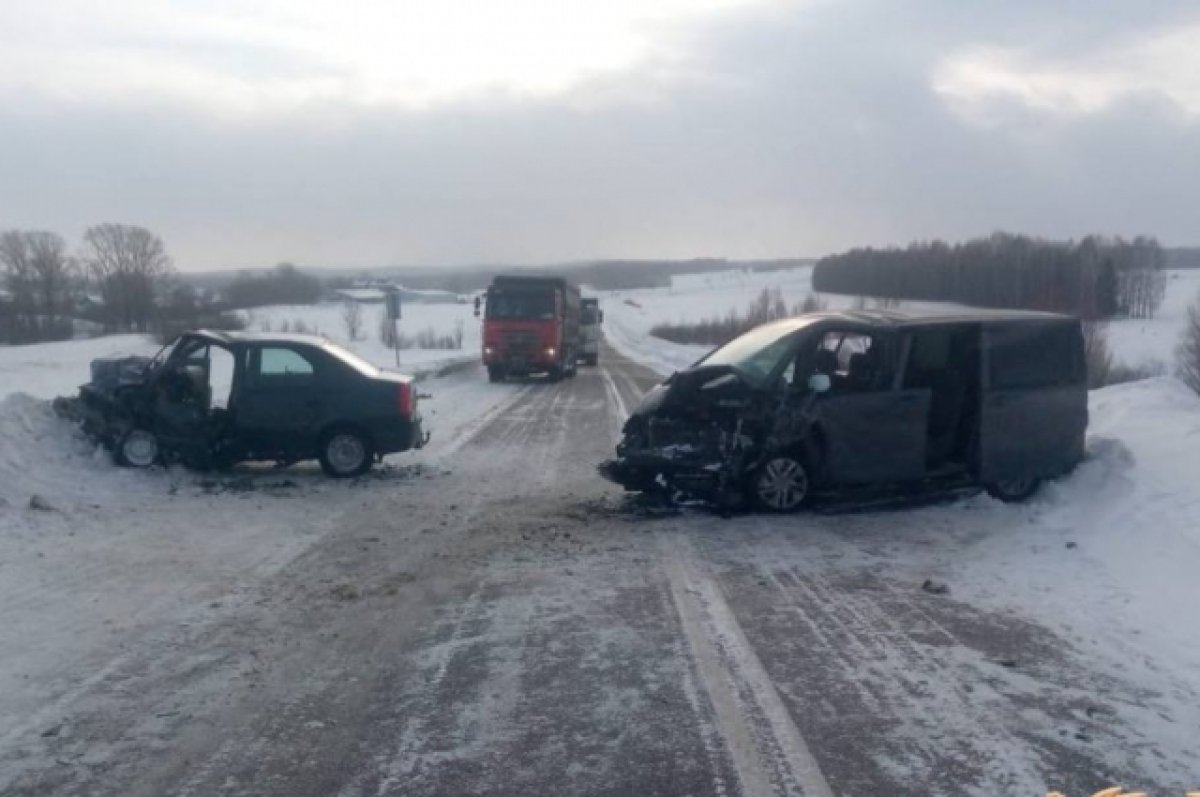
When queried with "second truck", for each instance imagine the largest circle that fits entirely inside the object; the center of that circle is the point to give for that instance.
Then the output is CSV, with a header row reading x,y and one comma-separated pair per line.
x,y
531,325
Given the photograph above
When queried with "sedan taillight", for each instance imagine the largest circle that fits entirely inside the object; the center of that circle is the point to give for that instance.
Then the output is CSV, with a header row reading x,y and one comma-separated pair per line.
x,y
405,398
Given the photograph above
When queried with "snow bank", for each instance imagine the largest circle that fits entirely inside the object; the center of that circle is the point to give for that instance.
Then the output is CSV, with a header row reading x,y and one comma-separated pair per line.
x,y
1109,554
45,455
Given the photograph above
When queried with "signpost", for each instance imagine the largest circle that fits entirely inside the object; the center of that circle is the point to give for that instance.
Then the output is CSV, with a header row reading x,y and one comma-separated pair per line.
x,y
392,300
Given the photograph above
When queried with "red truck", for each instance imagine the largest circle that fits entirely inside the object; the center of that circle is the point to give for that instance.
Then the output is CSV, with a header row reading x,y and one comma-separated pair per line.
x,y
531,325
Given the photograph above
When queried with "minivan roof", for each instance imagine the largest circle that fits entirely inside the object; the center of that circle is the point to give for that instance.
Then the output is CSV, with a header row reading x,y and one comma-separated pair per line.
x,y
931,315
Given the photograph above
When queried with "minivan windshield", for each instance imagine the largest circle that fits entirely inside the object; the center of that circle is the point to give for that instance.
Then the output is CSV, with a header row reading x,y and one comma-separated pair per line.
x,y
756,354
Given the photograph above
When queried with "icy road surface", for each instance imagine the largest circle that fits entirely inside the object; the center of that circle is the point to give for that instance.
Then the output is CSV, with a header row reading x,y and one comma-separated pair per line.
x,y
488,617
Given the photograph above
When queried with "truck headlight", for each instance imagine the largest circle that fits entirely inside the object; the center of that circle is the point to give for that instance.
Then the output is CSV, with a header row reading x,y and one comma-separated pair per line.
x,y
487,349
550,352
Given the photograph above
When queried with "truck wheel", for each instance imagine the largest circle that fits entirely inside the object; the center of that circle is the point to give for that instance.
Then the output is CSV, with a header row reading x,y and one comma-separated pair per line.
x,y
495,374
781,484
555,374
137,448
593,360
345,453
1013,491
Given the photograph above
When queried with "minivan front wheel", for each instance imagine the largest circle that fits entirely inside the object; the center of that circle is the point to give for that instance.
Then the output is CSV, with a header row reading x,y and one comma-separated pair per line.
x,y
345,453
1013,491
781,484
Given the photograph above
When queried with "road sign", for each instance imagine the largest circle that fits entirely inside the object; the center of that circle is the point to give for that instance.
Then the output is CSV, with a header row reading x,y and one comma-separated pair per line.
x,y
392,299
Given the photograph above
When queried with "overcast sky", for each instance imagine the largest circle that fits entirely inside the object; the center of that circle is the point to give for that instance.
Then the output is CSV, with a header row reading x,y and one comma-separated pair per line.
x,y
457,131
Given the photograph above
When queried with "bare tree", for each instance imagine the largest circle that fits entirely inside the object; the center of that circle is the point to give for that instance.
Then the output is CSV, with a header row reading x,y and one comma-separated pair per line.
x,y
352,317
1187,356
128,263
53,271
19,281
38,274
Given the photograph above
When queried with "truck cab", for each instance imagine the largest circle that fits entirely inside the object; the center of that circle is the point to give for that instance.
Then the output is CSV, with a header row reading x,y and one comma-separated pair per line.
x,y
531,326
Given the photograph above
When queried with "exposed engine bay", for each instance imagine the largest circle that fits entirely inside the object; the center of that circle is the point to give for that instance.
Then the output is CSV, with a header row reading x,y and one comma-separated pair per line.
x,y
701,434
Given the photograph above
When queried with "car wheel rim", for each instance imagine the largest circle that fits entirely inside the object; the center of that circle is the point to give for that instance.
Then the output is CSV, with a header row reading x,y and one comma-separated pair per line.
x,y
345,452
782,484
140,448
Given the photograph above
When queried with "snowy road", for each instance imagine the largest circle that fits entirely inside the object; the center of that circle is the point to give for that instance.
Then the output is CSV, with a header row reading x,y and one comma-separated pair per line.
x,y
496,622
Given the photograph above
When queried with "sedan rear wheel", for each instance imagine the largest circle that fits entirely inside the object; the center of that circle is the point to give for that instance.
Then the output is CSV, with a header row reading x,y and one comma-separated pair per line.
x,y
781,484
345,453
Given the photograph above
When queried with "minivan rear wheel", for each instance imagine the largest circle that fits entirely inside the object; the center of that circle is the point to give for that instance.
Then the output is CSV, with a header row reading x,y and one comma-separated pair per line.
x,y
1013,491
781,484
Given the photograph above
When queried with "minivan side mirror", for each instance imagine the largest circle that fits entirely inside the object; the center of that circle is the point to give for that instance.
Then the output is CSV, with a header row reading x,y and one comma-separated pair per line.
x,y
819,383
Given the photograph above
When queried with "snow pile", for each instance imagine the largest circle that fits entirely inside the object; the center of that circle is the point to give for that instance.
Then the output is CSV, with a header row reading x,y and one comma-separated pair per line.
x,y
1109,554
44,455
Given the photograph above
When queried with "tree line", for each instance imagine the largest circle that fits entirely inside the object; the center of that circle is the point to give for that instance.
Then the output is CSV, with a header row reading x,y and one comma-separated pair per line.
x,y
1096,277
121,279
47,287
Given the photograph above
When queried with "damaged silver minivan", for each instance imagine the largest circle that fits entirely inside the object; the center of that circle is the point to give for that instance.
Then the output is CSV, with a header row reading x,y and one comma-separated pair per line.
x,y
861,400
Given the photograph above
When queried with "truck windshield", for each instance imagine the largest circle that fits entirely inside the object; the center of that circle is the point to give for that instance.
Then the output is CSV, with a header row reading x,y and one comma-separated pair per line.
x,y
538,306
756,354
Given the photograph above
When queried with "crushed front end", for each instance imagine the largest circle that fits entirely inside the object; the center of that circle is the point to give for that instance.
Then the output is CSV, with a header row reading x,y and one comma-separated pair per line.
x,y
694,437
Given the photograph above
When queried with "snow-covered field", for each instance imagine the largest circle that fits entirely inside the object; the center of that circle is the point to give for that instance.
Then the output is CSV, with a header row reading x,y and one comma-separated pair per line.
x,y
327,320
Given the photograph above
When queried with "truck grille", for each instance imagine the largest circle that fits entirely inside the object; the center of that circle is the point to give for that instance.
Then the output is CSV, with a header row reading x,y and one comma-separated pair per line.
x,y
521,343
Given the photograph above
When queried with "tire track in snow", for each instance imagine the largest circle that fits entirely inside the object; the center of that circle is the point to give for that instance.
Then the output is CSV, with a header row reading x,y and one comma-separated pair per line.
x,y
769,754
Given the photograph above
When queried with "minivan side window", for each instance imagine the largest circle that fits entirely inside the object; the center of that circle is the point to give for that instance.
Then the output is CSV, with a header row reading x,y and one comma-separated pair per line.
x,y
853,361
1034,355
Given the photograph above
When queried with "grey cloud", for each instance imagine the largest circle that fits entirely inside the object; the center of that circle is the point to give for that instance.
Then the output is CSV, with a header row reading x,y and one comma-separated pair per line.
x,y
807,130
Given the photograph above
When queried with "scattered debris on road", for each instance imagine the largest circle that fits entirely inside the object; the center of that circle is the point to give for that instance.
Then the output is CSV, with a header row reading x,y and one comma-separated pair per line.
x,y
935,587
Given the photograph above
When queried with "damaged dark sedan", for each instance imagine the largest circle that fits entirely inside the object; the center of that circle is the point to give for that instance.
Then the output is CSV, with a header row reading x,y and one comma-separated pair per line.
x,y
215,398
865,400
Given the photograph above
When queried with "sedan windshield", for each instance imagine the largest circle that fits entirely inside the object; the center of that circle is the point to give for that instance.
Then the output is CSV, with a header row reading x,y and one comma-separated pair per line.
x,y
756,354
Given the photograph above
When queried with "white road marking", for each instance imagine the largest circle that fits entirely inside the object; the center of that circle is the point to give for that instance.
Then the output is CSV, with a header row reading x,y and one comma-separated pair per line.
x,y
617,402
770,756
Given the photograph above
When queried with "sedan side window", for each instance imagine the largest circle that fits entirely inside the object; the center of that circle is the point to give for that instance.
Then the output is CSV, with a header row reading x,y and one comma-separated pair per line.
x,y
278,365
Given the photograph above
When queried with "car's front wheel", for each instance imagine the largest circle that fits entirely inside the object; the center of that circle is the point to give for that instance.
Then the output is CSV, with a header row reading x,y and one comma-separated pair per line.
x,y
137,448
781,484
345,453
